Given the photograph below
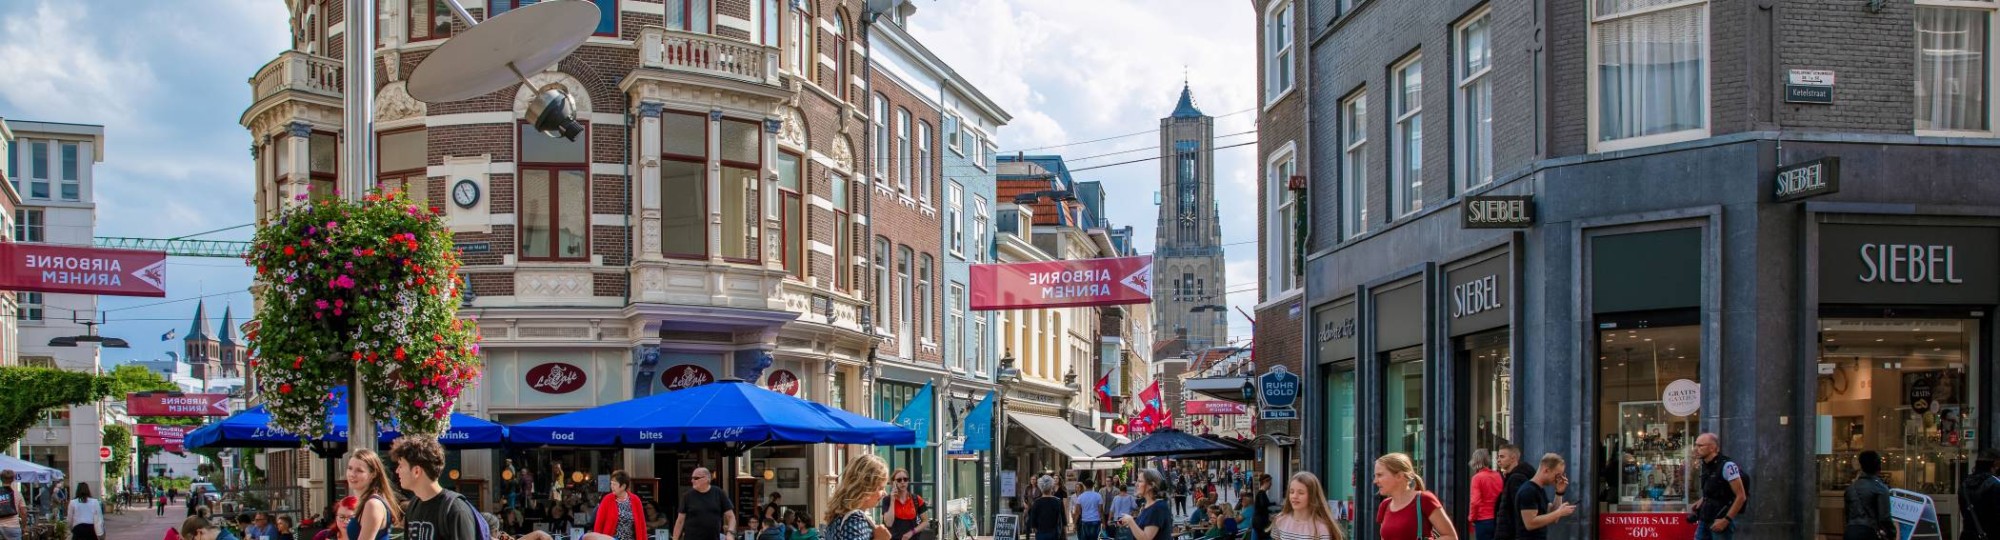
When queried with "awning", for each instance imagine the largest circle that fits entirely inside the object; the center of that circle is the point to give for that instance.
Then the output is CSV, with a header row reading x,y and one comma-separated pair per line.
x,y
1109,440
1066,439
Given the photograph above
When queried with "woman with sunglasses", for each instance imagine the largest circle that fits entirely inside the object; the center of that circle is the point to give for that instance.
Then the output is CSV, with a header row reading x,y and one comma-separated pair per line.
x,y
336,529
906,509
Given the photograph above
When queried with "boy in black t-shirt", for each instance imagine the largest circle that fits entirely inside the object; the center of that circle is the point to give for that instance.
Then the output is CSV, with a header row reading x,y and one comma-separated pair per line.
x,y
436,513
1534,502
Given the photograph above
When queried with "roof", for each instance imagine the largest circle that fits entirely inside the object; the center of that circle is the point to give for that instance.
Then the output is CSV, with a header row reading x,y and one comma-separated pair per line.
x,y
1186,108
200,331
228,328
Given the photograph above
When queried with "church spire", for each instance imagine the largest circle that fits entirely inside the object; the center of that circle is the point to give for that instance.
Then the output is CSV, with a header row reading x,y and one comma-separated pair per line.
x,y
1186,108
228,336
200,331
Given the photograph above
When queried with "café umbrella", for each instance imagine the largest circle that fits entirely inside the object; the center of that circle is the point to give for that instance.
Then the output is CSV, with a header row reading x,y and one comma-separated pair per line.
x,y
25,471
730,414
1169,442
251,428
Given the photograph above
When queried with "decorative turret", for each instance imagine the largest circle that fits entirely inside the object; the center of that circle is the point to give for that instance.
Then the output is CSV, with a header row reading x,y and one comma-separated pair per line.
x,y
1186,108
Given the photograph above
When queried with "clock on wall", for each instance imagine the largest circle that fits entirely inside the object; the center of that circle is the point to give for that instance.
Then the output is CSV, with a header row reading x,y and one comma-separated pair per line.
x,y
465,193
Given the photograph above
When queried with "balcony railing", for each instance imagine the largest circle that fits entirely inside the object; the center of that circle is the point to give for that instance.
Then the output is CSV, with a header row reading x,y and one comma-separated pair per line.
x,y
294,70
674,50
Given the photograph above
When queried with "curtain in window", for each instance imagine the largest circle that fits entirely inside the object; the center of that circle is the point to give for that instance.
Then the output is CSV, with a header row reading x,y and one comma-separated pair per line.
x,y
1951,68
1649,70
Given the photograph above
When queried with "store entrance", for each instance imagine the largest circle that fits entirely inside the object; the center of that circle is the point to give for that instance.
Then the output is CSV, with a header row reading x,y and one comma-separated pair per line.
x,y
1905,388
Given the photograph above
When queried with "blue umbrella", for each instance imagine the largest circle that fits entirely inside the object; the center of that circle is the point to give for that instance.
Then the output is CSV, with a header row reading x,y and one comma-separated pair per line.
x,y
251,428
723,413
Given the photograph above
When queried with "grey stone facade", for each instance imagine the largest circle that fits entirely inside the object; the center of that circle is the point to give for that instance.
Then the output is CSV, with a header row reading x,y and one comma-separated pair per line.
x,y
1758,273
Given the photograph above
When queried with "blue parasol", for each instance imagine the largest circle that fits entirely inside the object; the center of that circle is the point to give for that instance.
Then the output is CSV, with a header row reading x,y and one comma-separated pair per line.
x,y
729,413
251,428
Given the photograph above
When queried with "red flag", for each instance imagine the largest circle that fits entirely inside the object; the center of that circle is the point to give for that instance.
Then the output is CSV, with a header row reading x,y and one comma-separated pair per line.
x,y
1104,394
1153,412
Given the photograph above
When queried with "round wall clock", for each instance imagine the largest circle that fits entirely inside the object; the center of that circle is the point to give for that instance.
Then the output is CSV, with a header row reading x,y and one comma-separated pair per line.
x,y
465,193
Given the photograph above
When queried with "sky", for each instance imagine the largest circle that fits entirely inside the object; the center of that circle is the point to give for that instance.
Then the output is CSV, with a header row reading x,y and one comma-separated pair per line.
x,y
168,81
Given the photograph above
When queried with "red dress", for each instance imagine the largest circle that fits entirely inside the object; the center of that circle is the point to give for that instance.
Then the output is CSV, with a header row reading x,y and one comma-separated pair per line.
x,y
1403,524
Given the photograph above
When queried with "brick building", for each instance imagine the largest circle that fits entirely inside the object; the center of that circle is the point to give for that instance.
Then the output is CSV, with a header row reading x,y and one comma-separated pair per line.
x,y
1281,140
1601,228
719,218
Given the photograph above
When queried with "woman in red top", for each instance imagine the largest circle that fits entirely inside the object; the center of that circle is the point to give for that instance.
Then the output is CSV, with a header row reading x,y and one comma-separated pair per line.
x,y
620,514
1486,486
1404,500
906,509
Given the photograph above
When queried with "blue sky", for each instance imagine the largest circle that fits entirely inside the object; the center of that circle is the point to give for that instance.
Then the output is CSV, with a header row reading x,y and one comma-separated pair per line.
x,y
168,80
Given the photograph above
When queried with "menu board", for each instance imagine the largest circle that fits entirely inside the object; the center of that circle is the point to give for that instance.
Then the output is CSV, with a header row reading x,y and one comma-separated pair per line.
x,y
746,499
648,490
1006,527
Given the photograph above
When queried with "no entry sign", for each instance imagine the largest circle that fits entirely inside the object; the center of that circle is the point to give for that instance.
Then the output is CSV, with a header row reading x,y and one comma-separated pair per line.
x,y
82,270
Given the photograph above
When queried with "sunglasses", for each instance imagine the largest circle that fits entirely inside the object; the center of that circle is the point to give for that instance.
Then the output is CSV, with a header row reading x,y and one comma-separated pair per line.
x,y
902,480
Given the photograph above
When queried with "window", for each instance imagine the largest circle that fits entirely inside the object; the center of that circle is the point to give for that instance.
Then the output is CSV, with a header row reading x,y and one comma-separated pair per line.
x,y
792,205
843,235
31,305
742,158
1649,71
951,134
766,14
1491,357
1342,465
1635,366
1474,151
607,12
429,19
979,150
1954,79
841,86
72,184
310,36
1277,51
925,300
954,326
902,156
1859,411
981,222
1354,165
882,283
954,210
923,165
554,197
28,225
1404,403
689,16
978,353
1281,224
684,184
805,57
905,284
402,158
881,146
1407,146
13,172
38,171
323,149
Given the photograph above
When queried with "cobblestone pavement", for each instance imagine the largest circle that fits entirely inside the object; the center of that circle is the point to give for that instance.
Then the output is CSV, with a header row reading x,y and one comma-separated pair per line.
x,y
139,523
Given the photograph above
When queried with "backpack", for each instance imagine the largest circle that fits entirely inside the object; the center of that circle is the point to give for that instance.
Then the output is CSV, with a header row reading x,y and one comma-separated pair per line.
x,y
7,496
484,532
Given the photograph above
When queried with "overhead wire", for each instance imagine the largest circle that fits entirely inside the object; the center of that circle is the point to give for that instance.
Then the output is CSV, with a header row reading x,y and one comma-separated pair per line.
x,y
1113,137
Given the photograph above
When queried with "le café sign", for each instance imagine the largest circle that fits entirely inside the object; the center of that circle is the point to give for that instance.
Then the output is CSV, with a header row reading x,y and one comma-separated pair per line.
x,y
686,376
556,378
783,381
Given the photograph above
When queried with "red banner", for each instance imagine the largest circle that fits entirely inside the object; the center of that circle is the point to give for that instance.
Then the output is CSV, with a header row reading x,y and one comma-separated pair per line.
x,y
161,441
1078,283
176,404
1636,526
164,432
82,270
1216,407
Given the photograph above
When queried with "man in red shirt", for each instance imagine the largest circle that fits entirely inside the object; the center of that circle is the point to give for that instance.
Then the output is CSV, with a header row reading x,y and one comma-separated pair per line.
x,y
1486,487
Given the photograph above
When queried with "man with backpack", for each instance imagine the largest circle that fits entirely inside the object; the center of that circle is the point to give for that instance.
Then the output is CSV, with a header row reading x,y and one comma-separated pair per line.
x,y
436,513
1722,493
11,508
1979,498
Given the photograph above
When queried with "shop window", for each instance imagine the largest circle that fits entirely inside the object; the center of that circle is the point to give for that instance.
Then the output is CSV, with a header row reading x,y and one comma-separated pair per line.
x,y
323,151
891,398
1640,367
1403,408
402,160
742,158
792,205
554,197
1490,359
1343,466
1907,389
684,185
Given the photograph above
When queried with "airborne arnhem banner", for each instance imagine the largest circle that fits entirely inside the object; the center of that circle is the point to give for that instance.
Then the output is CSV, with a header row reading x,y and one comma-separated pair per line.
x,y
1078,283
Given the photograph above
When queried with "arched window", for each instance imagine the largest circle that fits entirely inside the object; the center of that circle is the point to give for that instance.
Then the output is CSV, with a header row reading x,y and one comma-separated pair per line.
x,y
839,85
805,59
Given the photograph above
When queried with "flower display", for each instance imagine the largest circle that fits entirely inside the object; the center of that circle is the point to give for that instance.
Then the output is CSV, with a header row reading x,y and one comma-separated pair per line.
x,y
367,287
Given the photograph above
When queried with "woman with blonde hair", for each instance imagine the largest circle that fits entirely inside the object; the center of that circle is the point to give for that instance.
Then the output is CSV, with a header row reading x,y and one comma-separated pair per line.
x,y
859,490
1408,512
1306,515
379,509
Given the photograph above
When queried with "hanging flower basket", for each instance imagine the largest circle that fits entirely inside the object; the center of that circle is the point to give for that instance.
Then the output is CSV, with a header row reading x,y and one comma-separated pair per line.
x,y
368,286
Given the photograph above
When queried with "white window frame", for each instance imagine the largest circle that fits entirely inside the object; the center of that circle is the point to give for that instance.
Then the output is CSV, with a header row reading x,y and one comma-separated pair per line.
x,y
1591,75
31,230
1406,195
30,306
954,218
1279,52
954,133
978,341
64,179
982,219
45,150
881,144
923,165
1992,10
1472,132
903,157
977,143
1354,164
954,325
1280,231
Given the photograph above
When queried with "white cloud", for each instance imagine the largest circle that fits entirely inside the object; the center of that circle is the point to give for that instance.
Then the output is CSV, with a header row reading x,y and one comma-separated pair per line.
x,y
51,64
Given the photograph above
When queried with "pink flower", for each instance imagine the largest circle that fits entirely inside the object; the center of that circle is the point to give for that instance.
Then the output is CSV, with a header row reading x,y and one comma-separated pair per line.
x,y
343,282
321,304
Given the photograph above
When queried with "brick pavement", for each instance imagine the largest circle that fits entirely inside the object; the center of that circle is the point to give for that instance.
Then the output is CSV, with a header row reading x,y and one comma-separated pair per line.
x,y
139,523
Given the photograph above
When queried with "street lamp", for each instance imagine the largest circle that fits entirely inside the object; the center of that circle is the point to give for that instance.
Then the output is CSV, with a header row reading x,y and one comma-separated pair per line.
x,y
1007,375
89,336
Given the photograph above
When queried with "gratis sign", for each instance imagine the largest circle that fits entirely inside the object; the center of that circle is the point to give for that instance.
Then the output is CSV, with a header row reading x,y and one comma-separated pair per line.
x,y
1077,283
1277,392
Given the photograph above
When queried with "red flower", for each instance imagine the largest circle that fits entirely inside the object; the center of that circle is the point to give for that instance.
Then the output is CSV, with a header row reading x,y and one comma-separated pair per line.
x,y
399,353
285,388
290,251
357,355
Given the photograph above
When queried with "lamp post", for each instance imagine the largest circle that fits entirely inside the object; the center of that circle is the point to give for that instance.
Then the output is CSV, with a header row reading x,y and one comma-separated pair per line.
x,y
1007,375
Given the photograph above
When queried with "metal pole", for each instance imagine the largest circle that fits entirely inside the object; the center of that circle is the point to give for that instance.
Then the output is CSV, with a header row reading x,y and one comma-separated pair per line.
x,y
358,128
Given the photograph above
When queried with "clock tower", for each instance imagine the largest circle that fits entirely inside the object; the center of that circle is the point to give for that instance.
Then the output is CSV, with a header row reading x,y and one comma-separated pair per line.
x,y
1188,293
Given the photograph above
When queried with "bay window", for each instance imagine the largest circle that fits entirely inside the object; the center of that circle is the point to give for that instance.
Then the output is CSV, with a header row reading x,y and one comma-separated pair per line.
x,y
684,184
742,158
1649,73
1474,151
1954,77
791,205
1407,146
402,159
554,197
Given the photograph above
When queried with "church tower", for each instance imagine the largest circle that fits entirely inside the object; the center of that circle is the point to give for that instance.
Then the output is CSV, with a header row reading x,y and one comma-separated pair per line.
x,y
200,349
1187,258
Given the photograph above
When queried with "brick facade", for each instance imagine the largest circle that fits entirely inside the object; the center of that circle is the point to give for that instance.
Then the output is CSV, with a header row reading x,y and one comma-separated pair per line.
x,y
911,218
1278,338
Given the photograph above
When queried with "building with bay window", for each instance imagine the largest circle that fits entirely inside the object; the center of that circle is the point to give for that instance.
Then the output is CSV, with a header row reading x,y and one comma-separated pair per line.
x,y
718,218
1623,224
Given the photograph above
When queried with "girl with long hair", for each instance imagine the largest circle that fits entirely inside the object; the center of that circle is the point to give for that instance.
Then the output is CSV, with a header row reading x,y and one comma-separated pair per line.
x,y
1408,512
1306,515
377,495
906,509
86,514
620,514
859,490
1156,521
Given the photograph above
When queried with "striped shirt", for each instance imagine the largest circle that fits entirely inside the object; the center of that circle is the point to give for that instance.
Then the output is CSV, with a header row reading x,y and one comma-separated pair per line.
x,y
1298,529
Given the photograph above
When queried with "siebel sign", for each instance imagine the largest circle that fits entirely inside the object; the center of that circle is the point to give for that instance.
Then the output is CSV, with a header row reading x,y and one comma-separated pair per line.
x,y
82,270
1810,179
1499,212
1078,283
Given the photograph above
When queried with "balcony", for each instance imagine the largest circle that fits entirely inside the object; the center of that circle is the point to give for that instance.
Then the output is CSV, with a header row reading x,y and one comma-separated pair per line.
x,y
703,54
301,72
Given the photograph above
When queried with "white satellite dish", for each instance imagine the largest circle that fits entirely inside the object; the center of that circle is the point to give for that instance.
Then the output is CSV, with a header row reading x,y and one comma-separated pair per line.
x,y
503,50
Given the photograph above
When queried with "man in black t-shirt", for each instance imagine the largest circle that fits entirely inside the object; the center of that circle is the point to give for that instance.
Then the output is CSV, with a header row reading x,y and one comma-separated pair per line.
x,y
706,512
435,513
1534,502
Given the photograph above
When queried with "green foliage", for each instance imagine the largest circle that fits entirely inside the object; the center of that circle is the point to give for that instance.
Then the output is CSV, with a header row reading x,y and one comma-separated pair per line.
x,y
31,390
367,288
131,378
119,438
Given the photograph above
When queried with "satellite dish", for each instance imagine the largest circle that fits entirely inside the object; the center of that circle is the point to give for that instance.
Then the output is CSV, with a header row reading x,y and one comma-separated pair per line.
x,y
501,51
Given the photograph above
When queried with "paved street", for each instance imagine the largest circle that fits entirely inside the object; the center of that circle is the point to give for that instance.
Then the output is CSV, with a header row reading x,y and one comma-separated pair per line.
x,y
139,523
